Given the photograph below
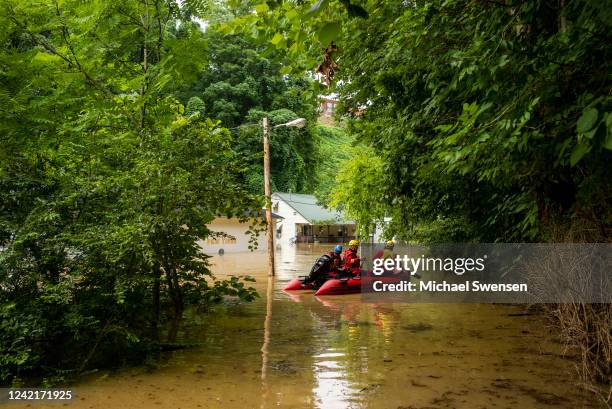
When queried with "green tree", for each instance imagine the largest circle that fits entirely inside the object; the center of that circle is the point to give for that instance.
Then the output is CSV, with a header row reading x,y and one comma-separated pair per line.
x,y
195,105
105,185
239,85
359,191
509,102
293,153
334,150
481,120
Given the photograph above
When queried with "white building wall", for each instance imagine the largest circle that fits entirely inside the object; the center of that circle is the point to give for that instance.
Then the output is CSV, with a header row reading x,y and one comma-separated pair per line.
x,y
289,219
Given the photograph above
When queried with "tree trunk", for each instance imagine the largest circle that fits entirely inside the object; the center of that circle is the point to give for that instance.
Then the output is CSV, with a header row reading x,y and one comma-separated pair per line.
x,y
177,302
156,289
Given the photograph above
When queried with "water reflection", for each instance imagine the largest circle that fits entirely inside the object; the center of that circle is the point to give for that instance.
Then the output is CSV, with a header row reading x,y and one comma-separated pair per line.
x,y
266,341
299,351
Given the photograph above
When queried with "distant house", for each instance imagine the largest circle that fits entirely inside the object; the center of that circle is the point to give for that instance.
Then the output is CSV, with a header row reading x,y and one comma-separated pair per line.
x,y
235,237
305,221
328,105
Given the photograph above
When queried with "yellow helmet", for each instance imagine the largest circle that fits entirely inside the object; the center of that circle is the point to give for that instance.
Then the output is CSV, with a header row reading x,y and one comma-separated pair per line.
x,y
353,243
389,244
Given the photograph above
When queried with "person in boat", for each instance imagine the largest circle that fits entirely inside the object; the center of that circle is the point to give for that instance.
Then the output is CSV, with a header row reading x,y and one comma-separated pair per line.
x,y
327,264
352,262
387,253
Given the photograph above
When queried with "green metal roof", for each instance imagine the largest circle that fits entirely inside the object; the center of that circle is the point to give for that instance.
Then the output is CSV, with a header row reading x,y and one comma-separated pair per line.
x,y
307,206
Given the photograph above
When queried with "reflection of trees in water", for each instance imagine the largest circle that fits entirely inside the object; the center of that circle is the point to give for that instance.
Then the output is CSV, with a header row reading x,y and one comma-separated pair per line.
x,y
364,333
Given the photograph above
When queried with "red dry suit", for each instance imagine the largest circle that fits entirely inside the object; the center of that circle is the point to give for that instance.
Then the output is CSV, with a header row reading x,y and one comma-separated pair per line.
x,y
352,262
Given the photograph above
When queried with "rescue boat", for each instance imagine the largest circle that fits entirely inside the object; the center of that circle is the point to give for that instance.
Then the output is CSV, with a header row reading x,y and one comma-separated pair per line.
x,y
340,286
298,284
353,285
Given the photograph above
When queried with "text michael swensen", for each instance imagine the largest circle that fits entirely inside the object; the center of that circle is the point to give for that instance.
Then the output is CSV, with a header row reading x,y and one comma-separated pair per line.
x,y
443,286
414,265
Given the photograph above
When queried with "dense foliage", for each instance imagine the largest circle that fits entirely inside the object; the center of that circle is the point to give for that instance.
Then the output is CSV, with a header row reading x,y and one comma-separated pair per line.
x,y
492,119
105,184
476,120
125,128
238,86
293,153
335,147
510,104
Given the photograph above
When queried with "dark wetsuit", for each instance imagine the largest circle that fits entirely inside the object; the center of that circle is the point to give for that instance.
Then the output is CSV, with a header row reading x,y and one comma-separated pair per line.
x,y
321,269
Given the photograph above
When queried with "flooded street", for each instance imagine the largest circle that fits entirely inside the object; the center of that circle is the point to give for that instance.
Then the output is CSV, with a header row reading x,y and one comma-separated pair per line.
x,y
304,352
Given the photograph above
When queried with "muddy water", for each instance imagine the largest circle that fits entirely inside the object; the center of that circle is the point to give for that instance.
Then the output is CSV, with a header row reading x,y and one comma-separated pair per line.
x,y
298,351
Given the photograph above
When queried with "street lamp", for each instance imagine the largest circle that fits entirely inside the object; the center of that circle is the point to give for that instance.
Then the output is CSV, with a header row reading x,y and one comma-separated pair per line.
x,y
296,123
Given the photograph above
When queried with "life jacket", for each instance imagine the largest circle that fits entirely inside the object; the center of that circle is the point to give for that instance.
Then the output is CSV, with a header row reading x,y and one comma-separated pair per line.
x,y
352,262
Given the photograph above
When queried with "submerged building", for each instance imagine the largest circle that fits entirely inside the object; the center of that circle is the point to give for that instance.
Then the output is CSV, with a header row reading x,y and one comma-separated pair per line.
x,y
232,235
304,220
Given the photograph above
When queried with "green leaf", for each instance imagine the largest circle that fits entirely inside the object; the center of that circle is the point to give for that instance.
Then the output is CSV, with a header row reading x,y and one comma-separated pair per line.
x,y
291,14
608,142
444,128
278,37
587,120
503,60
579,151
261,8
329,32
590,134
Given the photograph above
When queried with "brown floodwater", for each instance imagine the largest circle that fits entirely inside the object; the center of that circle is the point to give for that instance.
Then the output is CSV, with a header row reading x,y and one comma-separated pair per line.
x,y
299,351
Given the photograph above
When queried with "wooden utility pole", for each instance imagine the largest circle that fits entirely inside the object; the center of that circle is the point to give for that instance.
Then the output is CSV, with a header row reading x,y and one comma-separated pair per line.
x,y
268,194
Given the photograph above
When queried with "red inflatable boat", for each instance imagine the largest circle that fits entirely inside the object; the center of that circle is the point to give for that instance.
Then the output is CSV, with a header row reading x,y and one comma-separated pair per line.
x,y
341,286
353,285
298,284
